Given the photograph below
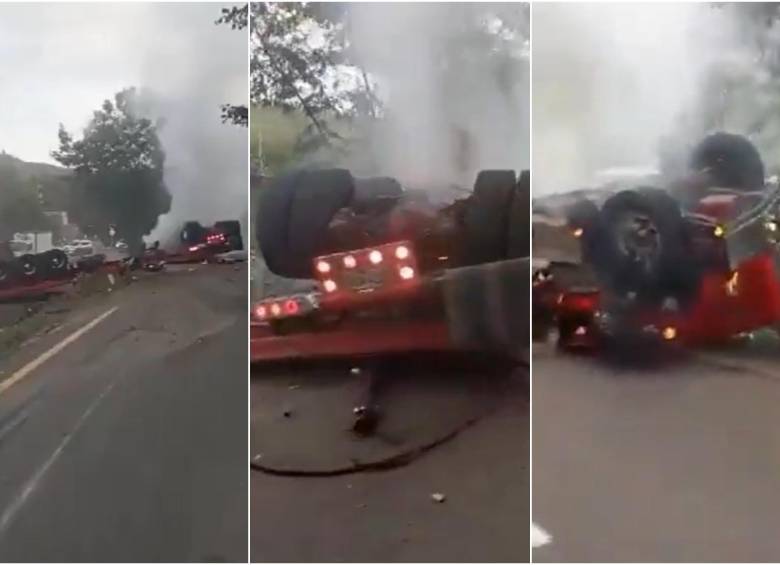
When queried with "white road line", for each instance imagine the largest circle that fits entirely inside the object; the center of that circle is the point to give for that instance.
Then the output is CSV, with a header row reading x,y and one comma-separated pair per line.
x,y
539,536
45,356
32,484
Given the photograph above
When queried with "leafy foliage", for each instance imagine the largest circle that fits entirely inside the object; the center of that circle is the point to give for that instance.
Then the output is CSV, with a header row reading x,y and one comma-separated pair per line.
x,y
237,18
118,165
303,61
299,53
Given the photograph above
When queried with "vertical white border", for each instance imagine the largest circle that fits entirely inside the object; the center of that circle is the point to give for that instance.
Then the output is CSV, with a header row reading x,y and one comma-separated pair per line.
x,y
530,286
250,232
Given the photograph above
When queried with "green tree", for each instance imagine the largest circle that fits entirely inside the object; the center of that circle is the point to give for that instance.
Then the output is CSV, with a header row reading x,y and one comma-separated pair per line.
x,y
237,18
118,166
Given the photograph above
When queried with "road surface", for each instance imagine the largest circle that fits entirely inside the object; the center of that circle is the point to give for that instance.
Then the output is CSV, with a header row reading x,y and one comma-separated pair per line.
x,y
123,429
390,515
680,462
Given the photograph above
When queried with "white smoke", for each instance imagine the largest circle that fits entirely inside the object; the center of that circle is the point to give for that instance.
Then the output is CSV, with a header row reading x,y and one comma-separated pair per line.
x,y
613,83
194,68
441,125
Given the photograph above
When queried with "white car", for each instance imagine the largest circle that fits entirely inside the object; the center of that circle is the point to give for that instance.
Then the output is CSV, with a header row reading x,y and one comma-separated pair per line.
x,y
79,247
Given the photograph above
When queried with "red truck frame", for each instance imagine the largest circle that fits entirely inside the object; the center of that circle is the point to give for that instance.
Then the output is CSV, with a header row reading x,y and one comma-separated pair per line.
x,y
739,299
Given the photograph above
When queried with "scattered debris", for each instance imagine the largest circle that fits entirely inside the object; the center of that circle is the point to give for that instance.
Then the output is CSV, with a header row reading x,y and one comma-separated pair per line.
x,y
438,497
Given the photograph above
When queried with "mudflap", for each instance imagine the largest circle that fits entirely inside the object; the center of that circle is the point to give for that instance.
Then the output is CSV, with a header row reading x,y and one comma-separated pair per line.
x,y
487,307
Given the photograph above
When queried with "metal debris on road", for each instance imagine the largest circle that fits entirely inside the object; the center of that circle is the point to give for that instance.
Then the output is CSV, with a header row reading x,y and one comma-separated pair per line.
x,y
438,497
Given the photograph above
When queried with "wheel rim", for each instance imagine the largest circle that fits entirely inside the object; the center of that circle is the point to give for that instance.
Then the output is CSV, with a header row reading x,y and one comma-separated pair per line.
x,y
638,239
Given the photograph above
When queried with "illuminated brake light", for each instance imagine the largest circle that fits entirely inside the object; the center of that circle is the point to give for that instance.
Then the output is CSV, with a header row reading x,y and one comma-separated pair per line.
x,y
669,333
350,262
578,232
194,248
323,266
401,252
329,285
406,273
291,307
276,309
375,257
261,312
581,330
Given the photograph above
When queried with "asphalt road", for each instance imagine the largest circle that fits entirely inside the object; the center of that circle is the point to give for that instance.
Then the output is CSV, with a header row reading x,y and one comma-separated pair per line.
x,y
390,515
680,462
127,440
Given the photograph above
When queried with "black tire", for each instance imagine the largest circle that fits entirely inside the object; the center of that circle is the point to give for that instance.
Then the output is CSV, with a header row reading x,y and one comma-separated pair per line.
x,y
53,262
518,233
376,194
192,232
660,268
232,228
295,211
730,161
486,218
28,266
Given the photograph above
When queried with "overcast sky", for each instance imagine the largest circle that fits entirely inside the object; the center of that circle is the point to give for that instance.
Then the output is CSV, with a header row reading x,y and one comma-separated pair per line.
x,y
59,61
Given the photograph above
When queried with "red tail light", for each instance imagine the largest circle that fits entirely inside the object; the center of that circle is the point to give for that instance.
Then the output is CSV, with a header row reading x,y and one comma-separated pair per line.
x,y
283,307
291,307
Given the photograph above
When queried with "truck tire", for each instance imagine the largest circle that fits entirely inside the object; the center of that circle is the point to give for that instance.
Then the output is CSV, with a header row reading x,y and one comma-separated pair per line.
x,y
486,218
376,194
519,234
232,229
643,239
53,262
730,161
295,211
28,266
192,232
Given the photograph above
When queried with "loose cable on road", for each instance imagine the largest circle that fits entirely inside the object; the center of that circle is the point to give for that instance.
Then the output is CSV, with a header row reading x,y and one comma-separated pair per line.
x,y
388,463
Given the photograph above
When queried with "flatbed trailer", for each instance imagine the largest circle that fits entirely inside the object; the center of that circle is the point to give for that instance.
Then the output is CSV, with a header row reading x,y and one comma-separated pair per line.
x,y
482,309
55,285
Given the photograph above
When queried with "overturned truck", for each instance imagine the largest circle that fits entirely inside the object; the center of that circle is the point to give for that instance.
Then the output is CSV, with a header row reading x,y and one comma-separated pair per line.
x,y
693,262
394,272
31,268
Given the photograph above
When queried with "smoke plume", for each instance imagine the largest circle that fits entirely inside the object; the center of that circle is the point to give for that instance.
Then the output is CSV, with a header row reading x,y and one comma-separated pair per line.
x,y
454,86
622,85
